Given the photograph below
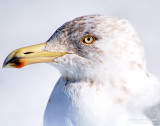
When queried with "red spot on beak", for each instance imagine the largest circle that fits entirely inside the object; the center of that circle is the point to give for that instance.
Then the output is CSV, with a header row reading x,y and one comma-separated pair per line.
x,y
22,64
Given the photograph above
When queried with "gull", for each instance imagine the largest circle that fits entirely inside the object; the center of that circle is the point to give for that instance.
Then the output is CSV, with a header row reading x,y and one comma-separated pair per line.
x,y
104,80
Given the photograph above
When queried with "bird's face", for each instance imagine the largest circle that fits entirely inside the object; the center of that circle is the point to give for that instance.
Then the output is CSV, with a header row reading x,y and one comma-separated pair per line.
x,y
89,41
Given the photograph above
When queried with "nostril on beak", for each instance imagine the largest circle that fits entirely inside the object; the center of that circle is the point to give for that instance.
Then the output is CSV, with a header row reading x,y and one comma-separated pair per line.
x,y
28,52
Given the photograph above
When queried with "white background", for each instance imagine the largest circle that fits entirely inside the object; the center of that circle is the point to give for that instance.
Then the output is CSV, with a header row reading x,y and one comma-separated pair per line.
x,y
24,92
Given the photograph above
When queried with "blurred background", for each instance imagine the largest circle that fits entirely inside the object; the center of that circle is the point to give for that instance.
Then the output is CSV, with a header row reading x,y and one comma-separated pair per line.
x,y
24,92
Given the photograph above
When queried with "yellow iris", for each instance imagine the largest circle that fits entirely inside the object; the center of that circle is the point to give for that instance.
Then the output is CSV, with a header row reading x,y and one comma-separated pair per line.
x,y
88,39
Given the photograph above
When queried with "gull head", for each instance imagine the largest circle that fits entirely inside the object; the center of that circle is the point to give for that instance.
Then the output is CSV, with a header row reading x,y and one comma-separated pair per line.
x,y
85,47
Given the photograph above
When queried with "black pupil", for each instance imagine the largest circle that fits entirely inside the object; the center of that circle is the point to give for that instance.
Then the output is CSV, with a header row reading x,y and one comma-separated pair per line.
x,y
88,38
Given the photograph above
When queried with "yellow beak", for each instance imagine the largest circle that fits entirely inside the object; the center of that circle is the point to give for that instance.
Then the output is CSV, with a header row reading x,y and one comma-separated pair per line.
x,y
30,55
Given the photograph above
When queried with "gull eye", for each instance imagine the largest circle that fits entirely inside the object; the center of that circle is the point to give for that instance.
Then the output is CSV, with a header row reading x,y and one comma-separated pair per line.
x,y
88,39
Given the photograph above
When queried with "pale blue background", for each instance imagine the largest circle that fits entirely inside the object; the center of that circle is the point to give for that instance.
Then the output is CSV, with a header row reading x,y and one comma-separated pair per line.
x,y
24,92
